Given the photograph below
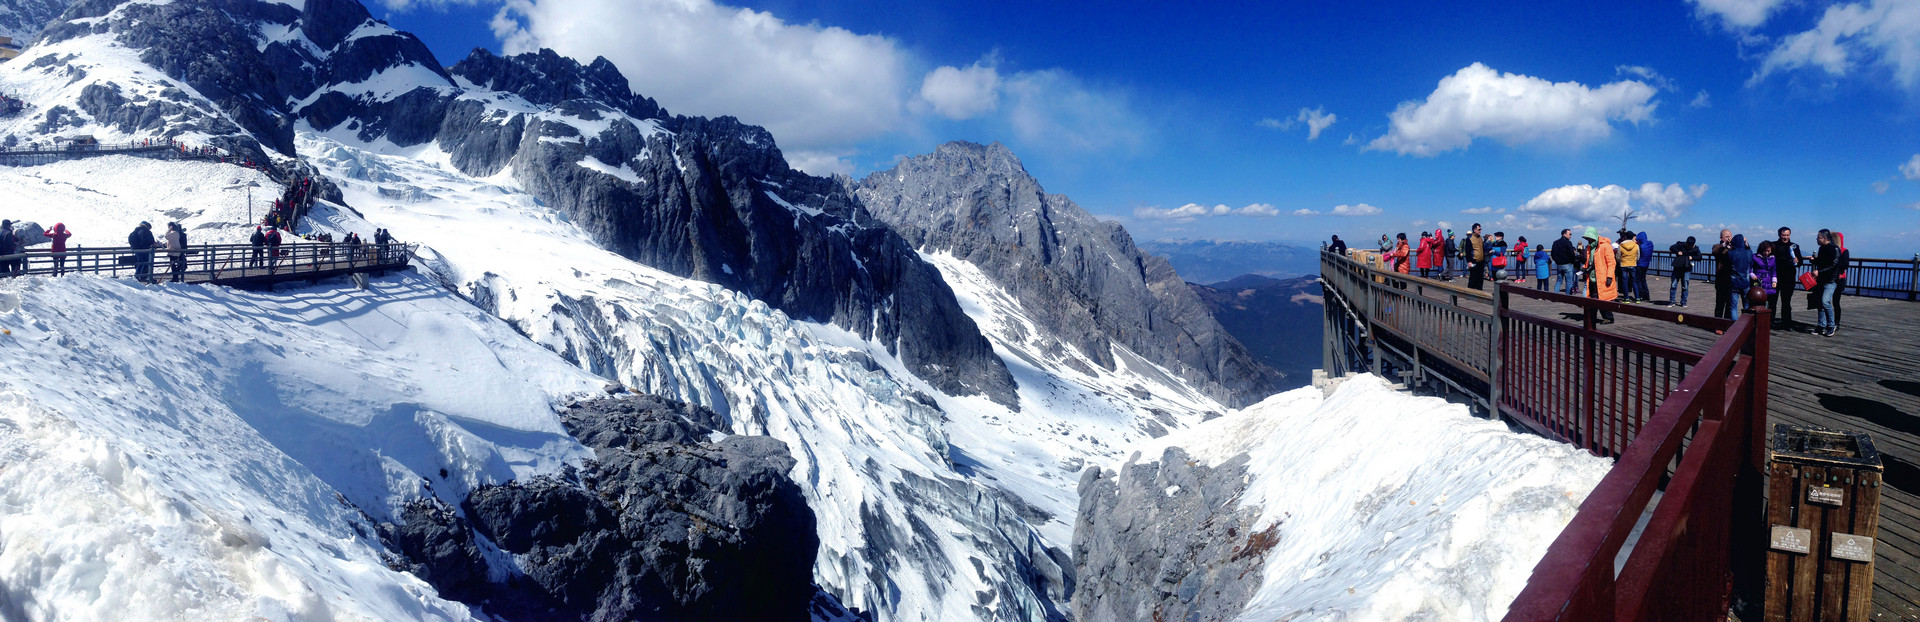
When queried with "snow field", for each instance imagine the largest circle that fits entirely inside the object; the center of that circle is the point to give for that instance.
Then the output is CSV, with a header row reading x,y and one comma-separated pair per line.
x,y
898,527
101,199
183,452
1391,506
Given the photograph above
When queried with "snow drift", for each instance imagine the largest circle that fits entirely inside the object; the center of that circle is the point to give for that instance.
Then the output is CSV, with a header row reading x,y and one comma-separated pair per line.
x,y
1369,504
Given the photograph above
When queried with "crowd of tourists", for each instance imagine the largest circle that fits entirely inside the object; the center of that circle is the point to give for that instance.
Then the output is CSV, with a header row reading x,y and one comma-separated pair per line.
x,y
144,248
1615,268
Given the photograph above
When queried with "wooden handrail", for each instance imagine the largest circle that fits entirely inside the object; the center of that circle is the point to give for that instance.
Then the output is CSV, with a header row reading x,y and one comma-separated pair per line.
x,y
218,263
1707,423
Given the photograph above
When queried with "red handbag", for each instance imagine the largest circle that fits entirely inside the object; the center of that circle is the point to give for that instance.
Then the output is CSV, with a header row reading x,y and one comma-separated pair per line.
x,y
1807,281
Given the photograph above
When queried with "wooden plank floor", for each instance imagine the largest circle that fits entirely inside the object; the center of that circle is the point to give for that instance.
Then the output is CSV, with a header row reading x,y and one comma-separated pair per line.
x,y
1866,378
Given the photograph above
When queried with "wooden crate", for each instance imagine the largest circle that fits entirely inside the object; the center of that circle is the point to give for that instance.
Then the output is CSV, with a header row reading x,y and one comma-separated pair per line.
x,y
1823,511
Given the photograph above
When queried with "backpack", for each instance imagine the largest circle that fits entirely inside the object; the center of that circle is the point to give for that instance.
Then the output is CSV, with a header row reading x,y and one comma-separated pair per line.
x,y
1499,252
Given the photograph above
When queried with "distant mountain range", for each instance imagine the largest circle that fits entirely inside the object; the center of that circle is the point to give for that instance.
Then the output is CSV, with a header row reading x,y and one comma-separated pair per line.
x,y
1277,319
1213,261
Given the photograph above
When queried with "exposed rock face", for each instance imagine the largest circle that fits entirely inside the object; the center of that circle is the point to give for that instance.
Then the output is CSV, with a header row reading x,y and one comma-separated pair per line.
x,y
1165,541
1278,320
1083,277
23,19
257,90
714,200
664,524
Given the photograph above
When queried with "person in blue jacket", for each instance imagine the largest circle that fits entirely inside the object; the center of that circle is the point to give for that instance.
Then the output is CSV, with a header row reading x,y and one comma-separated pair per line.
x,y
1742,259
1640,268
1542,267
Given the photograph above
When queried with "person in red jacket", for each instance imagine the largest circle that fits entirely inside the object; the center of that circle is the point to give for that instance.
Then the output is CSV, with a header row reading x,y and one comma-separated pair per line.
x,y
59,235
1424,256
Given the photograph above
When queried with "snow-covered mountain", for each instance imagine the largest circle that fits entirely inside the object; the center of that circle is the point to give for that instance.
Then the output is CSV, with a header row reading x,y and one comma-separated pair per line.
x,y
1086,283
936,413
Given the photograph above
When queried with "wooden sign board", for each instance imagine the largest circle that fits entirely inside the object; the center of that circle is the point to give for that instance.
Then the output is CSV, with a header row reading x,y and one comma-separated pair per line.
x,y
1825,495
1792,540
1852,548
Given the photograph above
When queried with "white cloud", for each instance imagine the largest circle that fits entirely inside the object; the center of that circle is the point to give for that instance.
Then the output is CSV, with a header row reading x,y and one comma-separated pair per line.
x,y
1701,100
1478,102
1881,187
1444,224
1584,202
1052,108
1359,209
959,94
1912,206
1648,75
1275,124
1886,32
1305,212
1737,14
822,163
1317,120
1911,170
1260,210
1483,210
1420,223
813,86
1191,211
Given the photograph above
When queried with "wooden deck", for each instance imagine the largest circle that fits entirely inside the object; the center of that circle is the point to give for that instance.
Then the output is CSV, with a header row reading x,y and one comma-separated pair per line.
x,y
1866,378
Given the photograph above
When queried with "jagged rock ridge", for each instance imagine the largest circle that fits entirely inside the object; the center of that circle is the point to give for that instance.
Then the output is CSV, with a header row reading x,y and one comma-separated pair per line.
x,y
1083,277
664,524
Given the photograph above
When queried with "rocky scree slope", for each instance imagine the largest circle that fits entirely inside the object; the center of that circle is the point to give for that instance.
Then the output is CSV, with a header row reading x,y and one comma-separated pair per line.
x,y
1083,277
668,521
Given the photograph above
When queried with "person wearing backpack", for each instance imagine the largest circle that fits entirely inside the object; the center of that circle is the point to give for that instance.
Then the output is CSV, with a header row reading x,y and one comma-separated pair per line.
x,y
141,241
1629,257
1684,254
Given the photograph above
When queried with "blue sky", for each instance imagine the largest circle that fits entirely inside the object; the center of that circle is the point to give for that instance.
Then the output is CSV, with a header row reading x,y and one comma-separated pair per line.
x,y
1194,121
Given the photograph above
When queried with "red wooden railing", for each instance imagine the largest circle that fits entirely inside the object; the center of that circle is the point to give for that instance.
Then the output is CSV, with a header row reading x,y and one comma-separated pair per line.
x,y
1583,386
1681,568
1690,423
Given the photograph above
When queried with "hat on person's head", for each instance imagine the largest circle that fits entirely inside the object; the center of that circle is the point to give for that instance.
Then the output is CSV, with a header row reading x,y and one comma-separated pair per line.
x,y
1592,234
145,224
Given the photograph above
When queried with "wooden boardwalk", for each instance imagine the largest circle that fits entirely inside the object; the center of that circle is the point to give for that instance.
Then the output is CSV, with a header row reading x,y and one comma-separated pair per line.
x,y
1866,378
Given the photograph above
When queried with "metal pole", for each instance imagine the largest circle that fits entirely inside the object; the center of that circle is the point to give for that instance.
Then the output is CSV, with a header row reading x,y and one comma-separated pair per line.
x,y
1913,279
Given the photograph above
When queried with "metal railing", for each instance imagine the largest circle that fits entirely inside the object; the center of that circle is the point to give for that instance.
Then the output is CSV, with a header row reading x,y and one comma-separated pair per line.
x,y
215,263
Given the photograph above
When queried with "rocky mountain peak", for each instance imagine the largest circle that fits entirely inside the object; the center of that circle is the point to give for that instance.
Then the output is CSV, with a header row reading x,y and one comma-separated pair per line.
x,y
1083,277
547,78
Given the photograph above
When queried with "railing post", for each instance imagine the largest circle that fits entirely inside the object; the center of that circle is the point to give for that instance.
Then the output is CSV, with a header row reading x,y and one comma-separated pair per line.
x,y
1913,279
1494,360
1587,319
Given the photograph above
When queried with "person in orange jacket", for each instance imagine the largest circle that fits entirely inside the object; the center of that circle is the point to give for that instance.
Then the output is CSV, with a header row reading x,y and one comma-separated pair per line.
x,y
1602,270
1399,256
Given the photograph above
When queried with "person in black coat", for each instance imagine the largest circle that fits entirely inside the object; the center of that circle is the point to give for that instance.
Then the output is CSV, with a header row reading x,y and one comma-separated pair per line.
x,y
141,241
259,247
1565,261
1789,259
1338,247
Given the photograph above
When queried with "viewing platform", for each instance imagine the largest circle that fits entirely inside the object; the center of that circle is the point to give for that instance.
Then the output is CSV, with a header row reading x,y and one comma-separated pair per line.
x,y
1543,362
236,265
